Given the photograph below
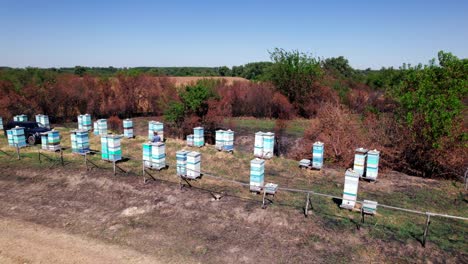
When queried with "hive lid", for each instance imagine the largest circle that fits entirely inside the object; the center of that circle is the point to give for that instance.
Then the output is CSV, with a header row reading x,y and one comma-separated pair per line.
x,y
361,150
158,144
198,128
269,134
193,154
318,143
351,172
259,133
373,152
257,161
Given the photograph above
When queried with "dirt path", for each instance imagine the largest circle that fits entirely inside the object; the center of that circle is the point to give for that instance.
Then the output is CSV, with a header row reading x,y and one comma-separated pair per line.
x,y
22,242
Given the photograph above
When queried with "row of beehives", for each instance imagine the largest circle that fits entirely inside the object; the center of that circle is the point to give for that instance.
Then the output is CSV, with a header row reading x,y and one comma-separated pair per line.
x,y
42,119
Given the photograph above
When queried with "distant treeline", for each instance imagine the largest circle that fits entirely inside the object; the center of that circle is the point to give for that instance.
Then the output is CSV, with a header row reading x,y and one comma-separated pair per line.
x,y
255,71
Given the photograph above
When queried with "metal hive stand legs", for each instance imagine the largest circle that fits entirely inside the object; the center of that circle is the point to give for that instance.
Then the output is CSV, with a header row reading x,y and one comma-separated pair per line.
x,y
87,160
115,167
308,205
146,172
57,161
426,229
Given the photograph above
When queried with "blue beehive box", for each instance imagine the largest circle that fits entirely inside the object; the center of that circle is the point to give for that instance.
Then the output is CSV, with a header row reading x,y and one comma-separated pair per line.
x,y
111,148
128,128
1,123
20,118
257,174
372,168
16,137
198,137
181,157
317,155
80,141
154,126
44,141
268,145
228,140
102,126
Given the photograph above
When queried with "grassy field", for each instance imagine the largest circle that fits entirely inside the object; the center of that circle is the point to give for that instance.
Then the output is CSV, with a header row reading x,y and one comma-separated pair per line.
x,y
296,127
393,188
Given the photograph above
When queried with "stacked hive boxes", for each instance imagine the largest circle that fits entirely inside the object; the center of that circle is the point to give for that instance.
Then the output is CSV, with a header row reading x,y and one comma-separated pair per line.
x,y
158,155
190,140
79,141
181,157
43,119
350,189
360,161
50,140
1,123
102,127
228,140
258,145
372,168
110,147
154,155
219,139
198,137
317,155
16,137
84,122
128,128
155,126
20,118
193,165
257,174
268,145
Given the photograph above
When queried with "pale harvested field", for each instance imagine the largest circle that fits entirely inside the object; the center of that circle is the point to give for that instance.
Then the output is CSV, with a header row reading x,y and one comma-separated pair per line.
x,y
181,81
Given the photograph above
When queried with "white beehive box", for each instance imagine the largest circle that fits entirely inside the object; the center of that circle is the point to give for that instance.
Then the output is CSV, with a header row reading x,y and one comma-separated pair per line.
x,y
258,145
360,161
350,189
193,165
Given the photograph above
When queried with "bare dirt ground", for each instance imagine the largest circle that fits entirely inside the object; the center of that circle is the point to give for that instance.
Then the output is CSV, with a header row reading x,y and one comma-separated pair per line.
x,y
65,216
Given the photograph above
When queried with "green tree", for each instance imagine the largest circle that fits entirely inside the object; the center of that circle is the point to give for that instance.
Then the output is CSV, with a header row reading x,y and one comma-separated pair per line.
x,y
431,97
294,74
338,66
80,70
224,71
195,99
175,113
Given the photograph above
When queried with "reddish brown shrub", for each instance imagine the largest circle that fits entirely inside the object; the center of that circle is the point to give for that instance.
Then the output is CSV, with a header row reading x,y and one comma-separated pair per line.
x,y
115,124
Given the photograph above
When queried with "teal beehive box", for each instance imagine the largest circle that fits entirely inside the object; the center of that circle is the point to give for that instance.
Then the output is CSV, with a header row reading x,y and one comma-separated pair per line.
x,y
372,167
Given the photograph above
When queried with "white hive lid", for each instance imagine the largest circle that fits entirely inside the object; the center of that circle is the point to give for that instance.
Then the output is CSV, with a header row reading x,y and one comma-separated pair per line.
x,y
373,152
318,143
361,150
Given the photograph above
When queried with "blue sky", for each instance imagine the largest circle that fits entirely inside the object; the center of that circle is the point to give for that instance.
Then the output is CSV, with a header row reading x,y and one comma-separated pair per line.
x,y
215,33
